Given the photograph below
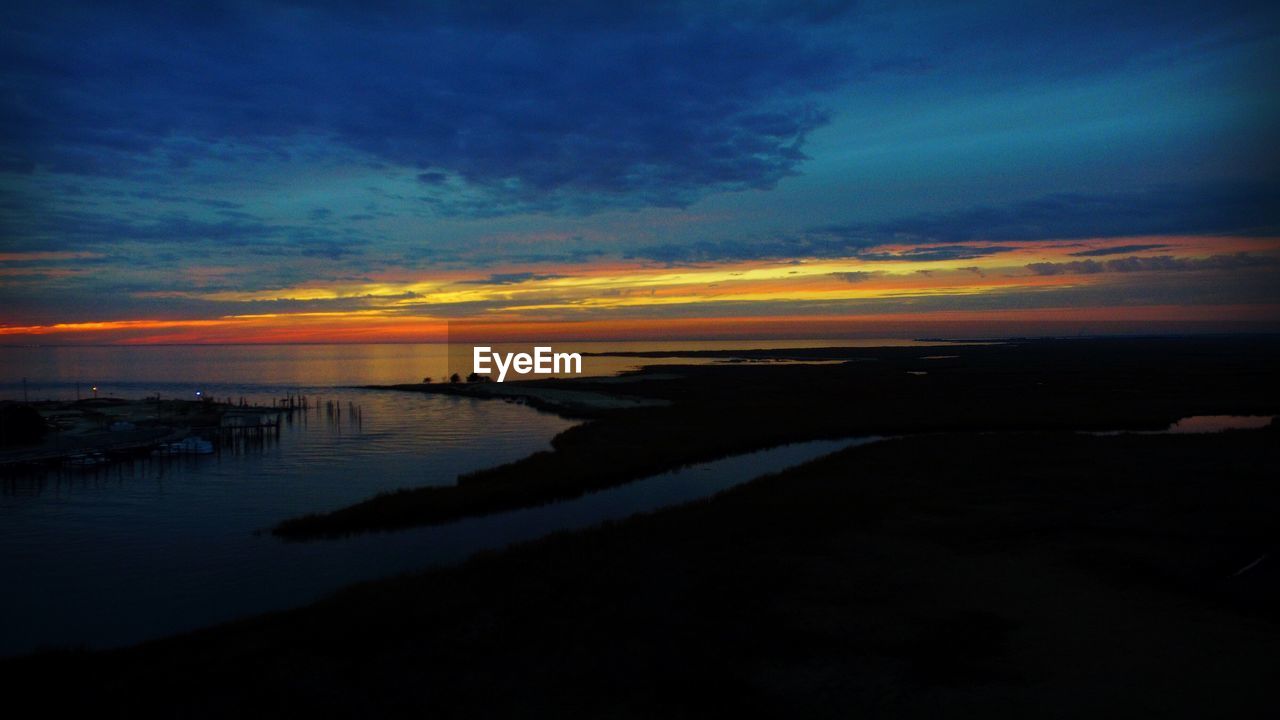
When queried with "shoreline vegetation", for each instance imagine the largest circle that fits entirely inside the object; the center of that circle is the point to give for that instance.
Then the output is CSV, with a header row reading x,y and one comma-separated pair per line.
x,y
993,560
665,417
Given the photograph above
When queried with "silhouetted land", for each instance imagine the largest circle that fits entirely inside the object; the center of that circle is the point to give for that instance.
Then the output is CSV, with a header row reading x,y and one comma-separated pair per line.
x,y
718,410
1026,570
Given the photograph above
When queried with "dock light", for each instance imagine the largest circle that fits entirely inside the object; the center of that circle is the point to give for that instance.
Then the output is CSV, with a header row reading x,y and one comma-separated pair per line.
x,y
95,391
198,393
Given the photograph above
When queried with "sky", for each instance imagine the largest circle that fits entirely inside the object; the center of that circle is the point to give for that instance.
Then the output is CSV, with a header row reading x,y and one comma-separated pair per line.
x,y
355,172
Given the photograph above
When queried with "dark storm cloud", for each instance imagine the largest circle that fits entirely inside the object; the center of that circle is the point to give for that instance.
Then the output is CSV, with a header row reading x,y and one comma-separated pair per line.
x,y
573,106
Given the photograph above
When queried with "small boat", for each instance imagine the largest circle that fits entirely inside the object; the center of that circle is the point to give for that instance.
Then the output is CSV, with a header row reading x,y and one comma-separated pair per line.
x,y
187,446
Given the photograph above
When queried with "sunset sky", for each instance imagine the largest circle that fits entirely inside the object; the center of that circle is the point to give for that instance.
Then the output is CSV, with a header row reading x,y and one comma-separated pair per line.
x,y
295,172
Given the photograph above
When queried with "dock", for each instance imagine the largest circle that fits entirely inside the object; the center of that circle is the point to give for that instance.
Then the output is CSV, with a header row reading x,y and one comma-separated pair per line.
x,y
119,429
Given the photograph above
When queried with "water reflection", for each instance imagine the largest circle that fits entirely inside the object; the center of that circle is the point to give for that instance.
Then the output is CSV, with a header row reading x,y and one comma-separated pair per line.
x,y
179,573
163,544
230,371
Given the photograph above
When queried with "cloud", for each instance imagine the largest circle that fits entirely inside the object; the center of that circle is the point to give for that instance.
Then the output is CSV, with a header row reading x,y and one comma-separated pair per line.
x,y
1244,208
510,278
934,254
34,227
855,276
572,108
1117,250
1161,263
235,146
1188,209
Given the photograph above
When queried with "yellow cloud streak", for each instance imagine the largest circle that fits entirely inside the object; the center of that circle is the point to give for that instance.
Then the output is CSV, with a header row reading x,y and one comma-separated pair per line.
x,y
587,286
416,293
828,295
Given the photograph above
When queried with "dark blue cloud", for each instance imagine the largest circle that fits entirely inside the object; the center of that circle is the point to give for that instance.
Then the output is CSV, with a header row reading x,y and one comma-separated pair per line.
x,y
568,106
32,228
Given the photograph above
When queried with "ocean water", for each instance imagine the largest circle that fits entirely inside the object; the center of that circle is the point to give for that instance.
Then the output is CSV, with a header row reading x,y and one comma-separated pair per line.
x,y
136,550
265,371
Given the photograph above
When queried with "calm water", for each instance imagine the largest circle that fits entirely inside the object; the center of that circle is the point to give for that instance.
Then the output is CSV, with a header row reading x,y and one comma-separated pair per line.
x,y
271,370
142,549
145,549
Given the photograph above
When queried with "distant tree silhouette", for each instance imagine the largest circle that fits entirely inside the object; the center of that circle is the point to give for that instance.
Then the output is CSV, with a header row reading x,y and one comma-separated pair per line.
x,y
455,378
426,381
478,378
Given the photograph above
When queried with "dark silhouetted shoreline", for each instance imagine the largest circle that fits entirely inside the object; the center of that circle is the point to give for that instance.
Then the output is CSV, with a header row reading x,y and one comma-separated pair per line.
x,y
702,412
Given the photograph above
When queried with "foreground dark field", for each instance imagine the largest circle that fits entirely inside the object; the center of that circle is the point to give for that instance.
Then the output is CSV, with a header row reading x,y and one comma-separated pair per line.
x,y
993,562
1010,574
